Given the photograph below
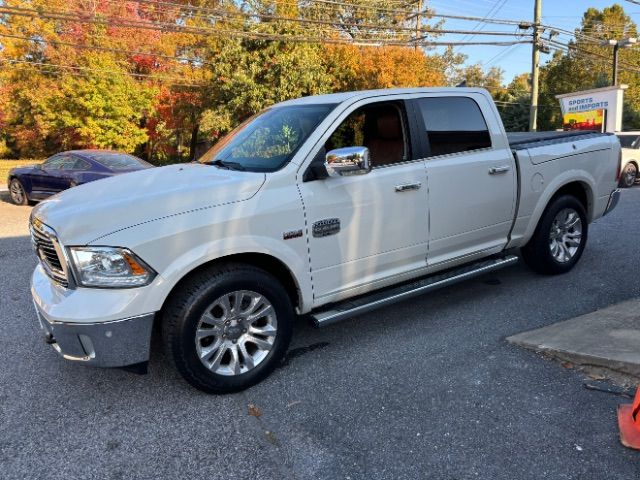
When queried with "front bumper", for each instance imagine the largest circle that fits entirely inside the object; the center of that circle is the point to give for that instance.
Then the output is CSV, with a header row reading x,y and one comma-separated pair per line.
x,y
116,343
614,198
101,327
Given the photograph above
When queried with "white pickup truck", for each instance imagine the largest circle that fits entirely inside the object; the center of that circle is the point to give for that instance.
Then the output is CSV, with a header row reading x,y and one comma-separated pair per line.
x,y
324,207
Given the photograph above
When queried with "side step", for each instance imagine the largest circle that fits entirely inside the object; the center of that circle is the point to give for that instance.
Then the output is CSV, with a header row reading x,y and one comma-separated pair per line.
x,y
387,296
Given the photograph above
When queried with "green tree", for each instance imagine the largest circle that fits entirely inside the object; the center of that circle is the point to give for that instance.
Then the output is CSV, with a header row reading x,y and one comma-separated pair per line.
x,y
588,65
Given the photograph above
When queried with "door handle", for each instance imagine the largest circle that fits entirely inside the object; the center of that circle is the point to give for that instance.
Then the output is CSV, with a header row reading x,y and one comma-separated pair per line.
x,y
501,169
408,186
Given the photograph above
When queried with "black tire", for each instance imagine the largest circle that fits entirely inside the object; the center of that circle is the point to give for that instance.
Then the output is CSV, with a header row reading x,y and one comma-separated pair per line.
x,y
537,253
628,175
17,193
186,306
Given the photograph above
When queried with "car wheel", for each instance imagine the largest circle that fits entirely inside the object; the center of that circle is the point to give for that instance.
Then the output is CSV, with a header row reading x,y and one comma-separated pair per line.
x,y
559,239
17,193
629,175
228,327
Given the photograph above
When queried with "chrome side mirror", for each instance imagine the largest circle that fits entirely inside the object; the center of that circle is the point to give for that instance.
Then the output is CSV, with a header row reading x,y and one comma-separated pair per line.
x,y
348,161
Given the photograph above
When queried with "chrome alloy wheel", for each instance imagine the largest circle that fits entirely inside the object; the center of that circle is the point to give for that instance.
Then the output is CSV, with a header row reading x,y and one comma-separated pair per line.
x,y
236,333
565,235
16,192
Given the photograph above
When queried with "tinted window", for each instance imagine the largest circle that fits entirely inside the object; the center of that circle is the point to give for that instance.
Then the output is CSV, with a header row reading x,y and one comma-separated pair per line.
x,y
454,124
119,161
629,141
53,163
267,141
80,164
68,163
379,127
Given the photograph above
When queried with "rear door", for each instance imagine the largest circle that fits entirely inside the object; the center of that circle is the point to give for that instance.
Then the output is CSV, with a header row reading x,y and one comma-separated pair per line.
x,y
472,184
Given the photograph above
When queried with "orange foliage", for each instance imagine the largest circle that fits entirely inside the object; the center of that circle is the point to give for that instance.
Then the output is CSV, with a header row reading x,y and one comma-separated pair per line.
x,y
358,68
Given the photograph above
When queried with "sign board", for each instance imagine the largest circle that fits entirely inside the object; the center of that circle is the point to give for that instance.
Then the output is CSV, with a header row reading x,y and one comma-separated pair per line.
x,y
608,99
593,120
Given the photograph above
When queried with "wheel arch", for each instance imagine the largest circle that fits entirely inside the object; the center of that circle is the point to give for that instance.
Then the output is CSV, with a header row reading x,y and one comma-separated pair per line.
x,y
264,261
578,188
581,190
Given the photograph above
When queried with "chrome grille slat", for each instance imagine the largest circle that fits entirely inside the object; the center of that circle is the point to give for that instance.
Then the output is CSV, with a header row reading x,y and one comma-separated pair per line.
x,y
46,247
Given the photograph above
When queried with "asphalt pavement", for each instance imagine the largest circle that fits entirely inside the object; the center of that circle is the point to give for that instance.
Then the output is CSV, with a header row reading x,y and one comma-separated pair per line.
x,y
428,388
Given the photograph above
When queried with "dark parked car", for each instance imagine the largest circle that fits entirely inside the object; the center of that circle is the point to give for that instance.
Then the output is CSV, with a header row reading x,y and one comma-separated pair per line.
x,y
68,169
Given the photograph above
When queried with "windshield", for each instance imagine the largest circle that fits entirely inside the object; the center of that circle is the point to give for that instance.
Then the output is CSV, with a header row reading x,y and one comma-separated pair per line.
x,y
629,141
268,140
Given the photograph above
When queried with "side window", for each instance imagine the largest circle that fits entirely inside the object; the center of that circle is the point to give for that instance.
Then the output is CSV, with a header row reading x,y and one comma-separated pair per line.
x,y
68,163
76,164
53,163
454,124
380,128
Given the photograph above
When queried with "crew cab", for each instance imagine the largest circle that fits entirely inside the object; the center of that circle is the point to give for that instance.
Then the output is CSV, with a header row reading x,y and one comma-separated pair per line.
x,y
324,207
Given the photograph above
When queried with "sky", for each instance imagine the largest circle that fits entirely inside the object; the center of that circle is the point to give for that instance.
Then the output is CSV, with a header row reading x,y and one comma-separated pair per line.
x,y
514,60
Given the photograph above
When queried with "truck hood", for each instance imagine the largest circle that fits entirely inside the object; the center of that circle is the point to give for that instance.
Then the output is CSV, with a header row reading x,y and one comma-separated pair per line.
x,y
85,213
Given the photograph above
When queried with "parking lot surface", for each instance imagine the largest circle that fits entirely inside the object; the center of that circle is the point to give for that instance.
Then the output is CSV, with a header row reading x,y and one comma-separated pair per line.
x,y
428,388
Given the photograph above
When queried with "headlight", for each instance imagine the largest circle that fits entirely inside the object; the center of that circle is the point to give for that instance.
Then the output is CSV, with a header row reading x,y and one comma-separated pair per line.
x,y
109,267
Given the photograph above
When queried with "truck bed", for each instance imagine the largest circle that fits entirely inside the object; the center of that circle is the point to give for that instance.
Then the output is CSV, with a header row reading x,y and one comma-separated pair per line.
x,y
522,140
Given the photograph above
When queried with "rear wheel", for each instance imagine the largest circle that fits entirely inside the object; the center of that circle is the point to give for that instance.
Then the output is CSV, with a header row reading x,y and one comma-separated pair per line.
x,y
17,193
228,327
629,175
559,239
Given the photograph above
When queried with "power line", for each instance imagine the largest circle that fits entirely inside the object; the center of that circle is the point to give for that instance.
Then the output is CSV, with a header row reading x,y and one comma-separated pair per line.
x,y
161,26
97,70
107,49
490,14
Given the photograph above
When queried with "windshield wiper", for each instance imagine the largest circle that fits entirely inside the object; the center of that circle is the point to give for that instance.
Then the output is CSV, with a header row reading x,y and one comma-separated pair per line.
x,y
223,164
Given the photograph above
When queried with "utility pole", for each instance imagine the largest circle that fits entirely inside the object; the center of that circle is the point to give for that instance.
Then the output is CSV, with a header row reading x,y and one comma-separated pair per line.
x,y
614,75
418,24
535,66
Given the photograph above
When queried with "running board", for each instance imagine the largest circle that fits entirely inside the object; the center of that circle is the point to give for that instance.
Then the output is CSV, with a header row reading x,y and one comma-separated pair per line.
x,y
378,299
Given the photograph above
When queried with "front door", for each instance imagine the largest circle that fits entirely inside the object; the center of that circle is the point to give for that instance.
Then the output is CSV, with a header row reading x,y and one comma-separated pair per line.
x,y
367,230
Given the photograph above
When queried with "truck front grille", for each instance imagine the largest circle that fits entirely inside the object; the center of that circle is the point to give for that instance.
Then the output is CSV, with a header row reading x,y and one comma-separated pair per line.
x,y
49,252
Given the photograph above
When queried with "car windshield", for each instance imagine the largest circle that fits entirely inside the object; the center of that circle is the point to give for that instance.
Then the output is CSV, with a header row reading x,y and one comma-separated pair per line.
x,y
119,161
267,141
629,141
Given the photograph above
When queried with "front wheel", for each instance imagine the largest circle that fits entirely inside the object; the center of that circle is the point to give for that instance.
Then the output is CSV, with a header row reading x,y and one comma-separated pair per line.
x,y
629,175
228,327
17,193
559,239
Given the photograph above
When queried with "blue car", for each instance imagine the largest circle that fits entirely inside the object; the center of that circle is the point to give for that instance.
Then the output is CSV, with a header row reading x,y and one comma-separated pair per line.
x,y
68,169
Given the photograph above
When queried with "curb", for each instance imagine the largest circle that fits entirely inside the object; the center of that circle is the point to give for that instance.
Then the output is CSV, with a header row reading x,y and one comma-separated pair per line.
x,y
608,338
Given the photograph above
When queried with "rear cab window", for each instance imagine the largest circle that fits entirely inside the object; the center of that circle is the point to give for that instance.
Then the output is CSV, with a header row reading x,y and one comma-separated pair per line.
x,y
453,125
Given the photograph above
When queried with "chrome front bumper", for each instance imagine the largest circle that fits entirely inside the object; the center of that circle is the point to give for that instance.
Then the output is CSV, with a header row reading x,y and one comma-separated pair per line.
x,y
118,343
614,198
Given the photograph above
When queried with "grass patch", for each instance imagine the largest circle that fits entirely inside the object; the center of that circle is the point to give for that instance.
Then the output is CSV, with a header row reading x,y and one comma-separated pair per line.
x,y
6,165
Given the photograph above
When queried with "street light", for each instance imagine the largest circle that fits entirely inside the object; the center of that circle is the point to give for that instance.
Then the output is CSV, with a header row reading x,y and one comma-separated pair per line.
x,y
617,44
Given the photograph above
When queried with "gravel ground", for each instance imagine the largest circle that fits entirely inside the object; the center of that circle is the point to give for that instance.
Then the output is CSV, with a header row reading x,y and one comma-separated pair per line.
x,y
423,389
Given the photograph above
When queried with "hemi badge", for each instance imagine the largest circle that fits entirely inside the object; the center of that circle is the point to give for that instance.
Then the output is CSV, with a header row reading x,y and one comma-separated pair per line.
x,y
292,234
